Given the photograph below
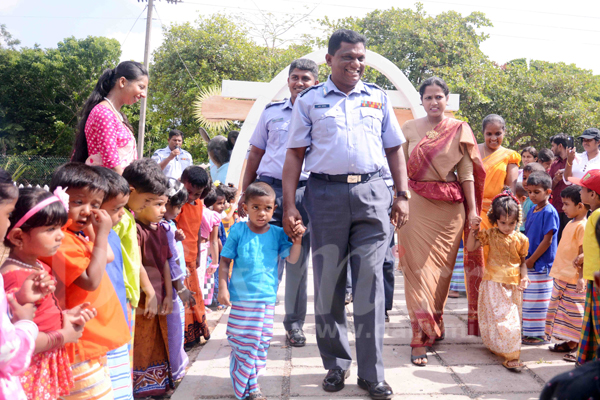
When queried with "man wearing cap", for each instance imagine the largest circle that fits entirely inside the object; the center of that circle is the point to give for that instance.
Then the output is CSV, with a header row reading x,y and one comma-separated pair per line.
x,y
590,262
350,128
265,163
173,159
579,163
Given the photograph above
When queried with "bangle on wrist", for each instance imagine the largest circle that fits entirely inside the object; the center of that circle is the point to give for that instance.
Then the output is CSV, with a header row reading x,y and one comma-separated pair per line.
x,y
55,340
183,289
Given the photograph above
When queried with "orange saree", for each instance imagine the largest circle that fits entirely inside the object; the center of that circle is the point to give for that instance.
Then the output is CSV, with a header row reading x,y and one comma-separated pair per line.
x,y
431,238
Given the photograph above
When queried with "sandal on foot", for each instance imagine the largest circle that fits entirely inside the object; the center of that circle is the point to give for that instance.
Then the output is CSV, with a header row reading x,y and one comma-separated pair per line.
x,y
514,368
533,341
560,348
421,357
571,356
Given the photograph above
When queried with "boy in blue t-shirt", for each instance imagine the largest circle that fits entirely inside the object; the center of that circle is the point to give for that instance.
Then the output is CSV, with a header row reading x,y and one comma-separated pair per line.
x,y
254,247
541,228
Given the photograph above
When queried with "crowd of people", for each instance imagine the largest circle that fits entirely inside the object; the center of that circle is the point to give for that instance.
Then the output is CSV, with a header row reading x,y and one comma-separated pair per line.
x,y
110,274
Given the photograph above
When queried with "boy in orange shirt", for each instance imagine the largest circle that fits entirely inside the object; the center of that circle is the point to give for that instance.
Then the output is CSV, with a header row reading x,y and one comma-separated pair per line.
x,y
198,183
565,311
80,266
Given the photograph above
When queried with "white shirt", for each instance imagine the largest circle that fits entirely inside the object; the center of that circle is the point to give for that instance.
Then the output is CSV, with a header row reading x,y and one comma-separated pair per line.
x,y
582,164
175,167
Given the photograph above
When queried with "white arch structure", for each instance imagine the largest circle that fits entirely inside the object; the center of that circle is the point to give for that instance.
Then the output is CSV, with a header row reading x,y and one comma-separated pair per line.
x,y
279,84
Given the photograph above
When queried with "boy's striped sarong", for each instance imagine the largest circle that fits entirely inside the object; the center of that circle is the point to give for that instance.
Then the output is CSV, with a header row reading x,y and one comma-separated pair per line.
x,y
249,332
92,380
119,368
536,299
457,282
590,335
565,312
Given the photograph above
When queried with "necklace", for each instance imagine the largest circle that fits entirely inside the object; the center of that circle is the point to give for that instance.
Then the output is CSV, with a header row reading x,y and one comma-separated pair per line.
x,y
432,133
21,263
118,114
538,207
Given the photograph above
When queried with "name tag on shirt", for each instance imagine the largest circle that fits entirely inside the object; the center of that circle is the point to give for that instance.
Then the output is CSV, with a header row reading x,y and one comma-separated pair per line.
x,y
277,120
371,104
321,105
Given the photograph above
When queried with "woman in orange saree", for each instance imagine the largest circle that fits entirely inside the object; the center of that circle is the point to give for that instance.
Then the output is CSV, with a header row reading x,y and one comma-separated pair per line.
x,y
501,164
446,183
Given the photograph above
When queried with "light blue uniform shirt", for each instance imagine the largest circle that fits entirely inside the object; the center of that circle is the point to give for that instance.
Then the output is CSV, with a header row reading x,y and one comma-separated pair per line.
x,y
271,135
346,133
175,167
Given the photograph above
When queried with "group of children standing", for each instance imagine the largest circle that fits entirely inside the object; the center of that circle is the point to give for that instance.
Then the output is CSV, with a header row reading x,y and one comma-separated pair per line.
x,y
105,285
537,290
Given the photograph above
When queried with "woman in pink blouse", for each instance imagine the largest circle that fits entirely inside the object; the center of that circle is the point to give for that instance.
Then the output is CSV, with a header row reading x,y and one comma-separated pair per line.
x,y
104,135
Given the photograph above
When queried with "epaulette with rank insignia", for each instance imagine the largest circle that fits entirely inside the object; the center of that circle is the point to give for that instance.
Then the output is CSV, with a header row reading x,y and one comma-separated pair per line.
x,y
274,103
376,86
310,88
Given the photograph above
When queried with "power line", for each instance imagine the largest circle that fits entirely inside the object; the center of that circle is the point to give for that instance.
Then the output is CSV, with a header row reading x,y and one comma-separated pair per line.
x,y
136,20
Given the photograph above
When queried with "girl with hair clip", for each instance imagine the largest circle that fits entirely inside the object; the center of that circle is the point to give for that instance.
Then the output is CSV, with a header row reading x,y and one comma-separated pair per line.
x,y
182,296
18,332
35,232
504,279
104,135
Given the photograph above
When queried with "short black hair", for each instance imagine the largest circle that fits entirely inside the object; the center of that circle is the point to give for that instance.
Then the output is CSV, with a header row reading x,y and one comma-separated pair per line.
x,y
531,150
76,175
559,139
54,214
534,167
344,35
520,190
258,189
219,148
145,176
8,190
178,195
493,118
175,132
572,193
541,179
545,155
196,176
116,183
231,139
304,64
228,191
434,81
210,198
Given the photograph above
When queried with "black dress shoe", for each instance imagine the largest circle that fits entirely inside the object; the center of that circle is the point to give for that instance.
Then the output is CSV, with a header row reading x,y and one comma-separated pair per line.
x,y
296,337
377,390
387,317
334,380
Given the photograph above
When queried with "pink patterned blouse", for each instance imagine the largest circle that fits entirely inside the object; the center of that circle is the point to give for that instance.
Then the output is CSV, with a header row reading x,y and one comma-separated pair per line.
x,y
110,142
17,343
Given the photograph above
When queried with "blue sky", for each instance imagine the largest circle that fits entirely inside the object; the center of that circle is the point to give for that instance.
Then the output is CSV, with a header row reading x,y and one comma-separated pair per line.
x,y
567,31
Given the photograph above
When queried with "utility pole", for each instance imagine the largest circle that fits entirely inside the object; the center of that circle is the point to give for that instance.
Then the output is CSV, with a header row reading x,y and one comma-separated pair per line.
x,y
142,126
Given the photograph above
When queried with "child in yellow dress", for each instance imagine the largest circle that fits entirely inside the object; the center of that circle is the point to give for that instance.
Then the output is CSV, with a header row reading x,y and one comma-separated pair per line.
x,y
504,279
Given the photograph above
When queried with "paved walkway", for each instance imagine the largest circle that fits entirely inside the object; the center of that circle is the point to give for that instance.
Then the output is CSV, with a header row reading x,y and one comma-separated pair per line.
x,y
460,367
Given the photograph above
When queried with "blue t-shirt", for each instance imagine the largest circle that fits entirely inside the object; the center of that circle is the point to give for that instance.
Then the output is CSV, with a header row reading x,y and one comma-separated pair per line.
x,y
538,224
254,275
115,271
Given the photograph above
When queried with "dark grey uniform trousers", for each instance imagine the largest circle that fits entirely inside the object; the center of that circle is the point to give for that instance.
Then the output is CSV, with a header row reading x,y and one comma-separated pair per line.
x,y
296,274
349,221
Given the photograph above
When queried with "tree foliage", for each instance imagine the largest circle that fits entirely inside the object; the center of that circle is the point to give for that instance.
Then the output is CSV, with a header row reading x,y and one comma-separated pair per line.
x,y
42,91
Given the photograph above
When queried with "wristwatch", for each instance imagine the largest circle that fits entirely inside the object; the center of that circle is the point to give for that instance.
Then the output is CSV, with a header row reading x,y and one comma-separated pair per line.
x,y
403,193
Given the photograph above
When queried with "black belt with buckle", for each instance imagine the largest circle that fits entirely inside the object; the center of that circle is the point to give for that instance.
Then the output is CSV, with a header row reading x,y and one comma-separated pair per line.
x,y
277,182
349,178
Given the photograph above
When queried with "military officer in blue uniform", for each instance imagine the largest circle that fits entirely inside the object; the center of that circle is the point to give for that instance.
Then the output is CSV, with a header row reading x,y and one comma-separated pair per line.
x,y
347,126
265,164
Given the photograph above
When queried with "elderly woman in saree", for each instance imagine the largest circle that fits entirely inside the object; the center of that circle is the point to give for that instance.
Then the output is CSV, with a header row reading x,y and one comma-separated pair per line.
x,y
446,182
